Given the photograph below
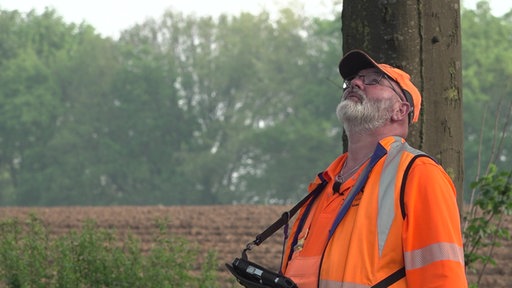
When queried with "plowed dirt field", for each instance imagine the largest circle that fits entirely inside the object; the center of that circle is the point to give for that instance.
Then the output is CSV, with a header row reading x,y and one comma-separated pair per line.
x,y
225,229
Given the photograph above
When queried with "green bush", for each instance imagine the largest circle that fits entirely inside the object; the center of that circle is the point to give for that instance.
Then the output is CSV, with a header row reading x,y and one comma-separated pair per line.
x,y
93,257
484,223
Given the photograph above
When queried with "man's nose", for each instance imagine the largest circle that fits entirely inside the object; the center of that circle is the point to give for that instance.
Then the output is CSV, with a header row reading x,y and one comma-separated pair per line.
x,y
357,82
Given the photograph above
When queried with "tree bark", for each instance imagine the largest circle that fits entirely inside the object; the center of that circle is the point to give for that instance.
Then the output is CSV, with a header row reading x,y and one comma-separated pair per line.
x,y
423,39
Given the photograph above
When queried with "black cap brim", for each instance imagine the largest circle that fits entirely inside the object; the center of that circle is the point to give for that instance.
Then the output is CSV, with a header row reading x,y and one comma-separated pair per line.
x,y
353,62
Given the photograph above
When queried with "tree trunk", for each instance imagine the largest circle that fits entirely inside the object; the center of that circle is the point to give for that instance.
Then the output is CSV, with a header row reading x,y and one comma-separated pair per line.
x,y
422,38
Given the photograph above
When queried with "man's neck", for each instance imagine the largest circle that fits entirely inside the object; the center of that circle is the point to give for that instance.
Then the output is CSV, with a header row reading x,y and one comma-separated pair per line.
x,y
362,145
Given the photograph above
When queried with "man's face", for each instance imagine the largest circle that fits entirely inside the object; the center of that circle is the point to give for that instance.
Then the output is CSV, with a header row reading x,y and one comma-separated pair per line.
x,y
367,102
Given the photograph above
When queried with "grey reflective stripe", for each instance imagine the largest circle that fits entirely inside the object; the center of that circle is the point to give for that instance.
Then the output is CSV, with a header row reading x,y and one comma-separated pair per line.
x,y
432,253
387,184
336,284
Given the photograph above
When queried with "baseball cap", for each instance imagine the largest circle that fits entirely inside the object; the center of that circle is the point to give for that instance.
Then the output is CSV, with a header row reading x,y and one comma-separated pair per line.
x,y
357,60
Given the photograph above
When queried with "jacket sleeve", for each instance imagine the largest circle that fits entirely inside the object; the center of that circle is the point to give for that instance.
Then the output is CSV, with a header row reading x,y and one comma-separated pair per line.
x,y
432,238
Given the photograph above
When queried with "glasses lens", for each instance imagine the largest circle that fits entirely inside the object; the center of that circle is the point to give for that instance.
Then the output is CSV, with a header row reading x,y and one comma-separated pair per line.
x,y
372,78
368,79
347,82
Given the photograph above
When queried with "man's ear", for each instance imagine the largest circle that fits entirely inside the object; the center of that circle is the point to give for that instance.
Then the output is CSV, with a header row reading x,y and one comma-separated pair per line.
x,y
402,112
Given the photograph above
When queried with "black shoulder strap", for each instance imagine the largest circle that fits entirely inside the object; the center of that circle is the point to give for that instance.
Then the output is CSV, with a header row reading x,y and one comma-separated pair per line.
x,y
391,279
400,273
404,178
286,216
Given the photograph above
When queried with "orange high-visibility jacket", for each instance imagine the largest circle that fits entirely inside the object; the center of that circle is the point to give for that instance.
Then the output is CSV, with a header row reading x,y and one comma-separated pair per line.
x,y
415,241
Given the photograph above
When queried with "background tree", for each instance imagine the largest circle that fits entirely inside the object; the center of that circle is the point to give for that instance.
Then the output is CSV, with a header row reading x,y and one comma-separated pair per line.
x,y
423,38
487,91
183,110
32,47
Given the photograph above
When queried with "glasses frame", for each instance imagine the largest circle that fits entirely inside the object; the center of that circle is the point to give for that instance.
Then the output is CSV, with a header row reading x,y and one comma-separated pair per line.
x,y
348,82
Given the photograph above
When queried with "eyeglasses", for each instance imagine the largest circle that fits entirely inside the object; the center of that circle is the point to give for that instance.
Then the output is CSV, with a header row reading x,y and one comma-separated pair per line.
x,y
372,78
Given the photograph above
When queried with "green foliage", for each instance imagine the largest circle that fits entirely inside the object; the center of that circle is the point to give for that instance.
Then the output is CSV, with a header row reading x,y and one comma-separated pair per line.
x,y
187,110
183,110
93,257
487,90
484,222
23,258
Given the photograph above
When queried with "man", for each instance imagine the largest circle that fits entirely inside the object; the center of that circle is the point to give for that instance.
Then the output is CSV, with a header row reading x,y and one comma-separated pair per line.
x,y
383,214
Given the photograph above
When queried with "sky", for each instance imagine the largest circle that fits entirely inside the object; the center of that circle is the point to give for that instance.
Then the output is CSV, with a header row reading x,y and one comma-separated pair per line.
x,y
110,17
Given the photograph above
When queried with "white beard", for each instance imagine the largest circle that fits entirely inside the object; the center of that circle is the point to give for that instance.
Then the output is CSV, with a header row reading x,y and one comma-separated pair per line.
x,y
366,116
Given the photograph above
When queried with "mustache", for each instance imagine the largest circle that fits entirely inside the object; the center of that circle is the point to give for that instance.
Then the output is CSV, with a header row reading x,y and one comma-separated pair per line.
x,y
354,90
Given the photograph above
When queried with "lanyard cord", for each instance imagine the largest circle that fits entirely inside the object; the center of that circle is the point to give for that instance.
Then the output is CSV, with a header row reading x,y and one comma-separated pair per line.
x,y
361,181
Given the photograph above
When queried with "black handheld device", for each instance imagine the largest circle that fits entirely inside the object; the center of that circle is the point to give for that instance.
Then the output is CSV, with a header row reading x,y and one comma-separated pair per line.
x,y
252,275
